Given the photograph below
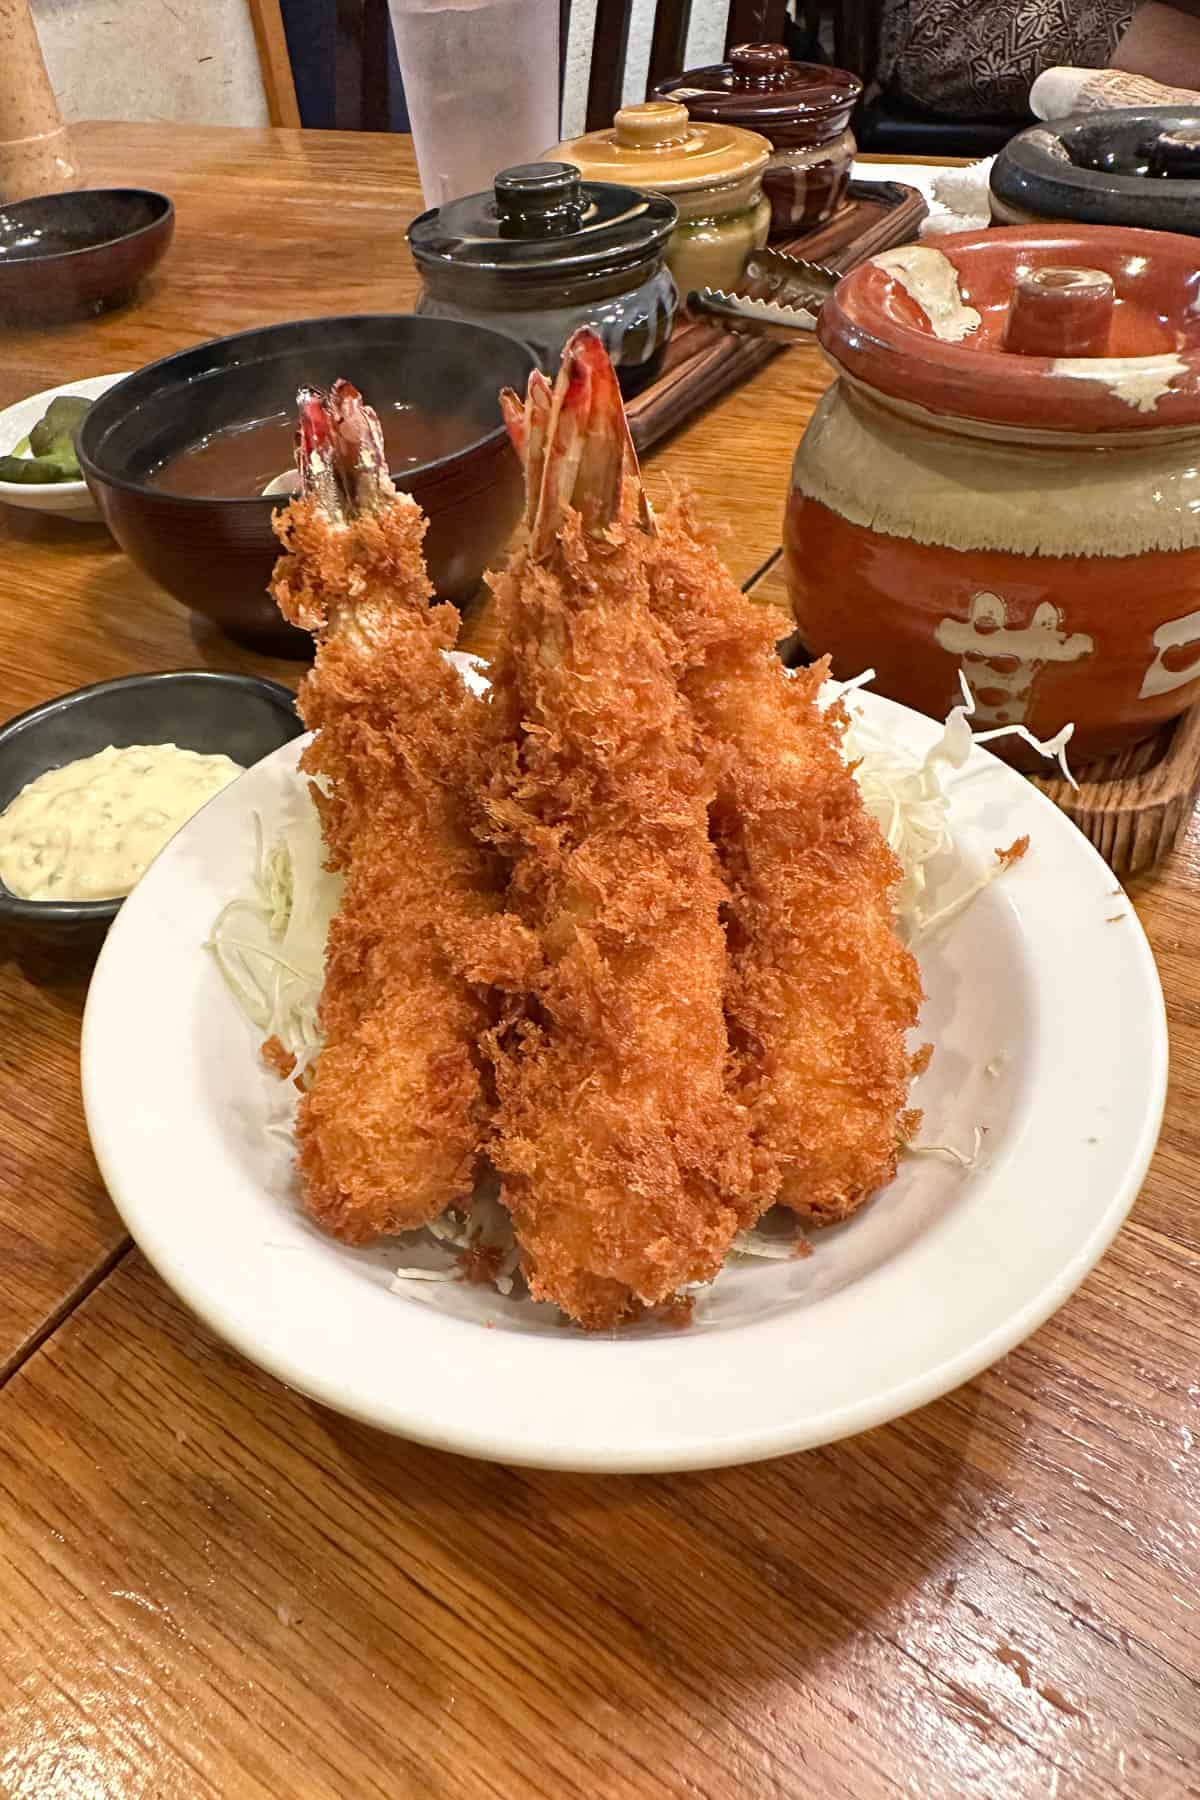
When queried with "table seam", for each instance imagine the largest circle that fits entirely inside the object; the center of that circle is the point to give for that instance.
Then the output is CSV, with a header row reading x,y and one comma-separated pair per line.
x,y
46,1327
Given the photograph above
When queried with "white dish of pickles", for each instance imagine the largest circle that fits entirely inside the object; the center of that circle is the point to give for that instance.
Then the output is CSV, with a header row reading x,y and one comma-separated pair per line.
x,y
66,494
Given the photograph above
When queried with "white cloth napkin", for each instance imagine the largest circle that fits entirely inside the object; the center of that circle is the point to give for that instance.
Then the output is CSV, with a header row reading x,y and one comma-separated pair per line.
x,y
959,200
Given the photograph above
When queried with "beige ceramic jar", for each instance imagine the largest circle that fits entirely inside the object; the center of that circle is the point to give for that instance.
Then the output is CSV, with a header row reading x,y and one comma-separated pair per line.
x,y
35,153
713,173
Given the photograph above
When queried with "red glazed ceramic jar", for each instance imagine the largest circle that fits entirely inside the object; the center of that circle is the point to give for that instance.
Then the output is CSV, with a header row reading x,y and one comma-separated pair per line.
x,y
1004,481
802,109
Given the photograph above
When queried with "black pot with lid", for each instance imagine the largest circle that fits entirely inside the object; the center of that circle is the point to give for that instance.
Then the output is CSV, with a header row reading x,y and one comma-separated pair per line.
x,y
545,252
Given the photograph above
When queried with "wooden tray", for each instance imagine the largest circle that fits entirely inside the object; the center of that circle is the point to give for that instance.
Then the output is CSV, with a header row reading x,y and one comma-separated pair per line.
x,y
1134,806
701,363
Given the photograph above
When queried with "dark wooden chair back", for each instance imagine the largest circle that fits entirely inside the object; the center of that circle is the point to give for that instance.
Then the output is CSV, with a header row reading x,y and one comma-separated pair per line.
x,y
750,22
362,40
856,28
363,32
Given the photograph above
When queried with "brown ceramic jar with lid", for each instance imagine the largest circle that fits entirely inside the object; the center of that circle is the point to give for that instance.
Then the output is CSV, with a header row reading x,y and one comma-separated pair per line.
x,y
713,173
801,108
1002,482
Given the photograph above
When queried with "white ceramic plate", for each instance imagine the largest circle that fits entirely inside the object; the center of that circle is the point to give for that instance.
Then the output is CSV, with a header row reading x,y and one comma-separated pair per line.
x,y
69,499
1045,1007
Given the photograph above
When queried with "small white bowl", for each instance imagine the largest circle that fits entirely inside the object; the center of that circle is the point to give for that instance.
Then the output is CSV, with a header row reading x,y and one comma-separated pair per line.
x,y
69,499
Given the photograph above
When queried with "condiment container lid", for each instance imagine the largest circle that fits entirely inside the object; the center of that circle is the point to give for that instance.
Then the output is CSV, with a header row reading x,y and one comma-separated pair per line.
x,y
925,325
541,220
762,88
655,145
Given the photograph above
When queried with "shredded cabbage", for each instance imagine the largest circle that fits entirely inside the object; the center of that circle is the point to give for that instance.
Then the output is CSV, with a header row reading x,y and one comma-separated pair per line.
x,y
769,1247
963,1159
269,944
908,801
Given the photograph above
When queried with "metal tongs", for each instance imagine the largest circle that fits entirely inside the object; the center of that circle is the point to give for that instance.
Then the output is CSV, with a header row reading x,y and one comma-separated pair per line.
x,y
777,296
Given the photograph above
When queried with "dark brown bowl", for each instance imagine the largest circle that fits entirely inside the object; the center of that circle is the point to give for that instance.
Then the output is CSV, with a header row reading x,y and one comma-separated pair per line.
x,y
216,555
66,255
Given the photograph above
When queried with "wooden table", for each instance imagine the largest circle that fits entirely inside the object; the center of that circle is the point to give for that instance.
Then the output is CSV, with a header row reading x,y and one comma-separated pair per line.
x,y
210,1586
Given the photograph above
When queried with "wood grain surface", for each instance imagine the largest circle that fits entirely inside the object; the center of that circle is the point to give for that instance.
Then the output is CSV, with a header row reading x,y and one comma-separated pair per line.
x,y
211,1586
214,1587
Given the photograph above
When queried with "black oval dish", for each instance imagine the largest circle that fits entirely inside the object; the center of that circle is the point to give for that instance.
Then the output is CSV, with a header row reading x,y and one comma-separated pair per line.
x,y
216,554
240,716
1095,169
67,255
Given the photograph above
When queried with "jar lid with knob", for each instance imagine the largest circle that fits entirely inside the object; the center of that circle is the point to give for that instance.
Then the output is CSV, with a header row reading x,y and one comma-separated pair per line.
x,y
546,252
541,221
657,145
761,89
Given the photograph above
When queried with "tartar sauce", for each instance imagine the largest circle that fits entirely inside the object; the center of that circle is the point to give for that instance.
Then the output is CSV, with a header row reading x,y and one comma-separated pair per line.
x,y
89,830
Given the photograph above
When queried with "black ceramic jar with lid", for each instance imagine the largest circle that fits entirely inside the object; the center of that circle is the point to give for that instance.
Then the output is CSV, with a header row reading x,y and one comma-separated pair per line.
x,y
801,108
546,252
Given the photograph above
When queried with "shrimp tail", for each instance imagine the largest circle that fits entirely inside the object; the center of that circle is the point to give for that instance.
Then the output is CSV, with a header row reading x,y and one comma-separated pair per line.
x,y
574,442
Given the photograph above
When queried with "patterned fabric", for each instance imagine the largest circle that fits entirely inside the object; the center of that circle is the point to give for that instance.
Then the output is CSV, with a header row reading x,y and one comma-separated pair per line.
x,y
972,58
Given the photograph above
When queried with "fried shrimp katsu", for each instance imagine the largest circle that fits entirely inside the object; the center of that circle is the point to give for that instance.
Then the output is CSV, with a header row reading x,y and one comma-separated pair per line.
x,y
624,1153
389,1130
625,927
822,989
